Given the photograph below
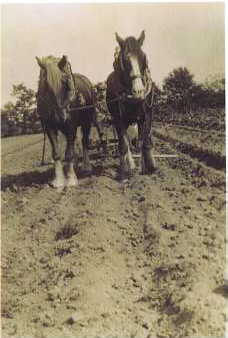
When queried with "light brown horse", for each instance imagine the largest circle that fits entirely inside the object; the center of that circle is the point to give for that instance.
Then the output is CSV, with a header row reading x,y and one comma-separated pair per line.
x,y
62,99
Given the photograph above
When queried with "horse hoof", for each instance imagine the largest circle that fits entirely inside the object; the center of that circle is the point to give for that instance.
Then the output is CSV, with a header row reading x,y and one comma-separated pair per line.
x,y
153,171
59,189
72,182
87,173
159,173
132,173
87,170
56,184
122,176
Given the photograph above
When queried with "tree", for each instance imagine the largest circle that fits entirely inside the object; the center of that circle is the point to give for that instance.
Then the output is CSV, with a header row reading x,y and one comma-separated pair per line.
x,y
178,87
215,83
9,120
4,126
21,116
214,88
24,106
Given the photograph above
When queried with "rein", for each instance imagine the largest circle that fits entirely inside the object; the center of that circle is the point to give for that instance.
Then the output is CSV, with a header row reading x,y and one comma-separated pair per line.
x,y
119,98
151,90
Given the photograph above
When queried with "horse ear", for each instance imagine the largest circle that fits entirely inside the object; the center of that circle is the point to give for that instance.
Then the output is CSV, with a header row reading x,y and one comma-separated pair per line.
x,y
119,40
141,38
62,63
40,63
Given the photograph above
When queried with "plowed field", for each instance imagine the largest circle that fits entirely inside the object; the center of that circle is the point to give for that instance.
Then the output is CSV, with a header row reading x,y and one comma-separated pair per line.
x,y
140,258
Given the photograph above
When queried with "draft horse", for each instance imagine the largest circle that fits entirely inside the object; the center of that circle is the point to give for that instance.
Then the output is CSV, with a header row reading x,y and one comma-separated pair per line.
x,y
60,98
129,98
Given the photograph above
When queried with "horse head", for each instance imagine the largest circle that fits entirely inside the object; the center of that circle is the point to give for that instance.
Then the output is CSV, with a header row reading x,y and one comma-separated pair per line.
x,y
56,85
132,64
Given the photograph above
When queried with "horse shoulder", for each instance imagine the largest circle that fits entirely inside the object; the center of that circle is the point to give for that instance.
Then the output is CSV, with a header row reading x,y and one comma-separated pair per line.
x,y
113,85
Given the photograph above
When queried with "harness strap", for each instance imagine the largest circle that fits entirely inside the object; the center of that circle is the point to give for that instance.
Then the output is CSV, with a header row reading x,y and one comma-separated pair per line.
x,y
136,76
93,105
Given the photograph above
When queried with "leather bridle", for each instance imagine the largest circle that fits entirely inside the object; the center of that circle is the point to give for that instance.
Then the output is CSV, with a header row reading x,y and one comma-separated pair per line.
x,y
147,82
132,77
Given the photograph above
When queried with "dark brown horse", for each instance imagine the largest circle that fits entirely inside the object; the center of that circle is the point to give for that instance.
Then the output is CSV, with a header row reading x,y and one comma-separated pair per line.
x,y
60,94
130,79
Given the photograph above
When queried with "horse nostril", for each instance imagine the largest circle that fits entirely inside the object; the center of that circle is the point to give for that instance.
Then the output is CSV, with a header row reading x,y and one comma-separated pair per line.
x,y
138,93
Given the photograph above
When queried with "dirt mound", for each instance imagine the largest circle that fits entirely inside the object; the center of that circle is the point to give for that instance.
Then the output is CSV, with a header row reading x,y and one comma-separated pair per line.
x,y
209,157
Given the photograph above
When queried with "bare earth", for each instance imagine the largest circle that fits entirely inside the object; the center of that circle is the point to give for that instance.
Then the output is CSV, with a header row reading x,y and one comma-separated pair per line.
x,y
142,258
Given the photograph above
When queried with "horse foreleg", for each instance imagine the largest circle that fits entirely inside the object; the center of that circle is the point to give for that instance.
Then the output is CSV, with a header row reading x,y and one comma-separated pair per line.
x,y
127,164
148,161
71,178
87,168
130,160
59,177
139,141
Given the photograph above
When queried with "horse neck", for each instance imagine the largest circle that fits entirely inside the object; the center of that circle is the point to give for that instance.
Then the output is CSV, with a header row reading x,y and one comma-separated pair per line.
x,y
83,86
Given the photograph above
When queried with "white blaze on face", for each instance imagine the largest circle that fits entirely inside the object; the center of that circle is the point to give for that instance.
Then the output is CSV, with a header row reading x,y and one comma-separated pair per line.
x,y
137,84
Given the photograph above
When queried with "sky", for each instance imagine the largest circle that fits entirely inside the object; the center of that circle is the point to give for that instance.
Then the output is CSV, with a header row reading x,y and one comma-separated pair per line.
x,y
177,34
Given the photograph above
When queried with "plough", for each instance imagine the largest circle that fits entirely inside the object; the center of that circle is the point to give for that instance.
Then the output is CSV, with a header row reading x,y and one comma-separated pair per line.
x,y
100,149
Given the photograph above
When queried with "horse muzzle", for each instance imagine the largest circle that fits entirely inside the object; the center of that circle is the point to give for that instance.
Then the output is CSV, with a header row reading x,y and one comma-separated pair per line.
x,y
138,95
63,111
138,89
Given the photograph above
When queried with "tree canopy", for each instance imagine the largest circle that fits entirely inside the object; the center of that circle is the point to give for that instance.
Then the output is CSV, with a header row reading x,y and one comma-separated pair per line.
x,y
21,116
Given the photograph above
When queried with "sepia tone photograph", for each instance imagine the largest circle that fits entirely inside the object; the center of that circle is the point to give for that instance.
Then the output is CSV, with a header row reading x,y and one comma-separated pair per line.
x,y
113,170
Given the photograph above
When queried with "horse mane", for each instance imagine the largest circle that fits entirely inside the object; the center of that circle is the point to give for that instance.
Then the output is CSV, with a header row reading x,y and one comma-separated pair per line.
x,y
53,75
